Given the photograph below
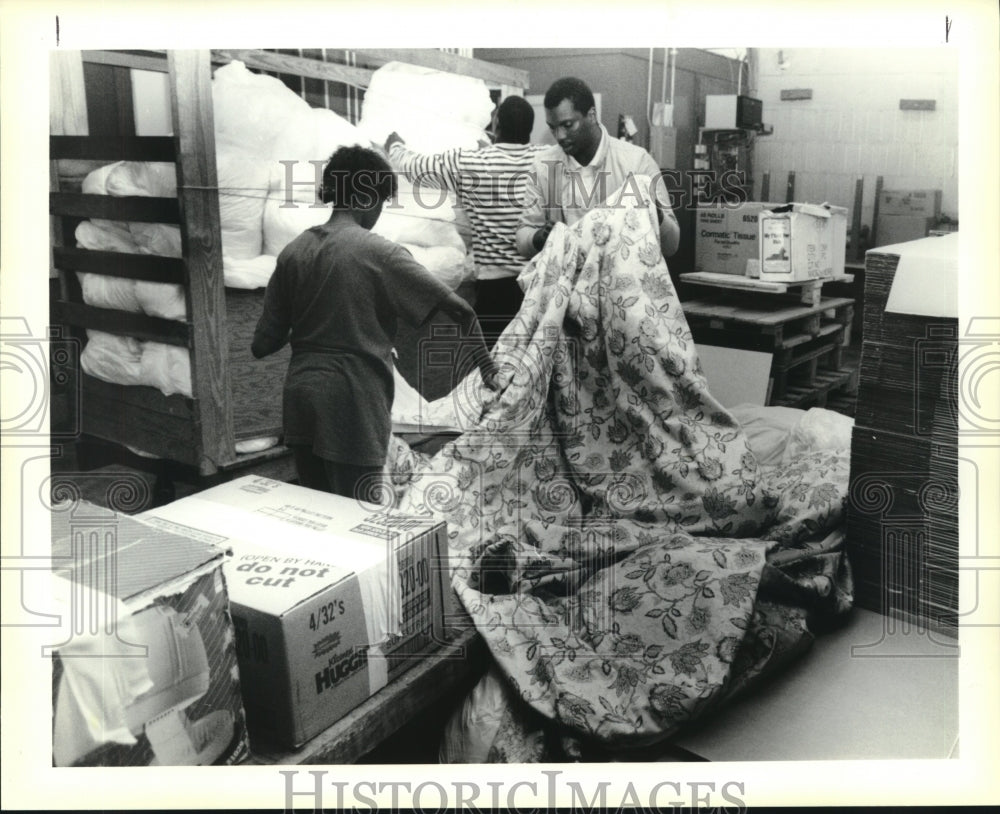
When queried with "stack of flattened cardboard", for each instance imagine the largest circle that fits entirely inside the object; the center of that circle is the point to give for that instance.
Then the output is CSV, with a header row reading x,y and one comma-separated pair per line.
x,y
903,509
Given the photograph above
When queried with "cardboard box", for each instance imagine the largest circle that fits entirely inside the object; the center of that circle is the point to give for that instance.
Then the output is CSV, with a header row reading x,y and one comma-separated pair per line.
x,y
802,242
901,229
146,672
924,202
316,582
726,237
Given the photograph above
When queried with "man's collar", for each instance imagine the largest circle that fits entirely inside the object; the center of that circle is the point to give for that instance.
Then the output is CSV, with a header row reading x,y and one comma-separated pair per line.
x,y
599,156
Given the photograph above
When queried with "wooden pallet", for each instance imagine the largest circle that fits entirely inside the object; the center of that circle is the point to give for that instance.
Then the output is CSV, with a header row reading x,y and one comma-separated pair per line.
x,y
800,366
783,327
808,292
796,345
806,341
818,392
844,402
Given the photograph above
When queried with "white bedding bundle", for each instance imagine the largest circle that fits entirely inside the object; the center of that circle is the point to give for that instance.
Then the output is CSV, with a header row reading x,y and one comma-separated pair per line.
x,y
162,366
259,124
432,111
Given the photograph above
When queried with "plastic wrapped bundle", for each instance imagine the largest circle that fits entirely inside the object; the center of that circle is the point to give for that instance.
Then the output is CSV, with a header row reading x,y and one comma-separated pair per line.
x,y
425,217
243,184
312,135
450,265
158,238
166,367
129,361
250,110
432,110
105,235
112,358
109,292
251,273
819,430
164,300
292,204
471,729
284,221
156,179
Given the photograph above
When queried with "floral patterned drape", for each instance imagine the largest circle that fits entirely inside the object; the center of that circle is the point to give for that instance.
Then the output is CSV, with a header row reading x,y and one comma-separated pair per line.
x,y
614,539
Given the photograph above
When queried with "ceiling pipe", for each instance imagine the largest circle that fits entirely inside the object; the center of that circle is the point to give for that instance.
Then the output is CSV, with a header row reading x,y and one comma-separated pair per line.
x,y
663,79
649,89
673,73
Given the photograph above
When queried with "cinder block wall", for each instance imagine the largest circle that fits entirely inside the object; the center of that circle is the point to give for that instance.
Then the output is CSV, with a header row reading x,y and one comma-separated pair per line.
x,y
853,124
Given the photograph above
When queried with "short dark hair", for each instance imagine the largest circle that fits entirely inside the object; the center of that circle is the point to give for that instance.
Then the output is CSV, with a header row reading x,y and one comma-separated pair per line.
x,y
357,178
515,118
569,87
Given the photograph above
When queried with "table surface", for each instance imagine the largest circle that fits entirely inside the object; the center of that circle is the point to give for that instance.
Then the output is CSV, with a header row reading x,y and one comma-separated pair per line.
x,y
877,688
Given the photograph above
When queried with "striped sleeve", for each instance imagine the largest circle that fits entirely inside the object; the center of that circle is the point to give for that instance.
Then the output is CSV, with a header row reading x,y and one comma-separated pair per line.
x,y
492,183
439,170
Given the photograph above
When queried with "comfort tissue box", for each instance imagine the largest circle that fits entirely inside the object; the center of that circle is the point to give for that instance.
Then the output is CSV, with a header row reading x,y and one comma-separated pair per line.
x,y
726,236
331,598
146,672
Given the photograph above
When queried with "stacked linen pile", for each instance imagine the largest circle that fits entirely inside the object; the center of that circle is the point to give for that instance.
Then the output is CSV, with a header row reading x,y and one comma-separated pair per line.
x,y
249,113
406,99
298,156
269,142
433,111
124,359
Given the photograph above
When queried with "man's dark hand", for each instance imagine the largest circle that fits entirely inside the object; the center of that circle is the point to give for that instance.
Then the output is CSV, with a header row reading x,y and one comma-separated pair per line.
x,y
391,139
541,235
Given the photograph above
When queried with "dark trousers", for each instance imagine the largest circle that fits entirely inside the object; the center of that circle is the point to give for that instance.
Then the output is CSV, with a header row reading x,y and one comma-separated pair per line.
x,y
497,303
349,480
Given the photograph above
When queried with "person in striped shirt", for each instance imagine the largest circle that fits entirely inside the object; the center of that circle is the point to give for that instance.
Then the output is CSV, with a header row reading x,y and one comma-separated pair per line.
x,y
489,183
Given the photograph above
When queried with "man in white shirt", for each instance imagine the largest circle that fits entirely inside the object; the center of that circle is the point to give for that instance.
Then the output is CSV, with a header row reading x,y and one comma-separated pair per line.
x,y
585,167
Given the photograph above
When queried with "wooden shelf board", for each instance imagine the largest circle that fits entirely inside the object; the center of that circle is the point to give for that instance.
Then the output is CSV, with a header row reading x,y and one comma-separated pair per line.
x,y
760,316
736,282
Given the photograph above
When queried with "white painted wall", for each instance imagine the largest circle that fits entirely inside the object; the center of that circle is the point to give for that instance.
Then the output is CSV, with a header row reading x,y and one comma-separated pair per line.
x,y
853,125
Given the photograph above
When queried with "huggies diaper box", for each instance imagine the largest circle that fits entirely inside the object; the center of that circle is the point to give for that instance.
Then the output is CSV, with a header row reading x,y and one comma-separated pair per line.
x,y
331,598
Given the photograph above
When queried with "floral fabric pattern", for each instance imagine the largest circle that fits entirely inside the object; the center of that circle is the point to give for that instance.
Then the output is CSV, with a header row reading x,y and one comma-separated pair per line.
x,y
613,536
